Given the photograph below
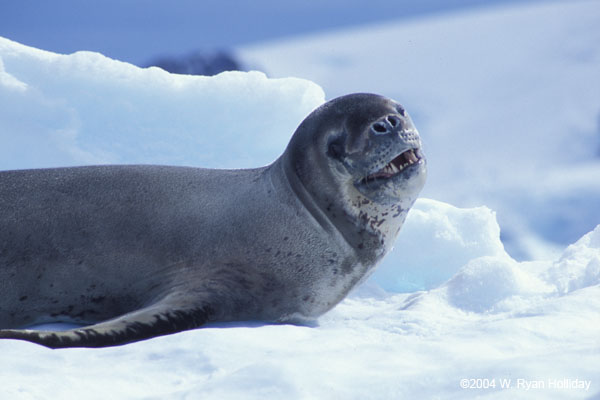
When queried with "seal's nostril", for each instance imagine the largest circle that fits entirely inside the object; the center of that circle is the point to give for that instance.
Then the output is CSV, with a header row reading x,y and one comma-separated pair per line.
x,y
379,127
394,121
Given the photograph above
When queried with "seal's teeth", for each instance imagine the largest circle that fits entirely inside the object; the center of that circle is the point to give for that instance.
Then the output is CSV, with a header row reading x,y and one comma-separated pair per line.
x,y
395,166
412,158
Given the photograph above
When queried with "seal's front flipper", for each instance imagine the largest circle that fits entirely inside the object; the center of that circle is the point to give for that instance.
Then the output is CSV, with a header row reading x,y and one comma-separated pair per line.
x,y
156,320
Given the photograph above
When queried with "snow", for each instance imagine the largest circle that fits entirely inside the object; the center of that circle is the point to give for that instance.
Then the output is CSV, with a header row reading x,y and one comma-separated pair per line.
x,y
85,108
507,101
448,304
443,239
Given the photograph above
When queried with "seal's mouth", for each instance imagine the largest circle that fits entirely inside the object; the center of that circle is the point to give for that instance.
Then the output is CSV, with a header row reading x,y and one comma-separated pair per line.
x,y
396,166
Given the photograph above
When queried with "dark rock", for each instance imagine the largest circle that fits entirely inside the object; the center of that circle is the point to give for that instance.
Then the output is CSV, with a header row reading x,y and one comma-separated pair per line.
x,y
198,63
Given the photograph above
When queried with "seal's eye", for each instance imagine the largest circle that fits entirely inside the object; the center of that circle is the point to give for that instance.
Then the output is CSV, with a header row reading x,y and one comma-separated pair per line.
x,y
335,148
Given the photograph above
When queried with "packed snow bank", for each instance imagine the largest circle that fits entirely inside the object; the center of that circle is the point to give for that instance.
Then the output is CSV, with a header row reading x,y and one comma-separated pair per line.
x,y
500,284
84,108
579,266
437,239
478,315
458,251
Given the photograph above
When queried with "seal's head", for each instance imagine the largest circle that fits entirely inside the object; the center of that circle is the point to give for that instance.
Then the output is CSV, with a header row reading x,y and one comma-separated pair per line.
x,y
368,141
359,157
379,149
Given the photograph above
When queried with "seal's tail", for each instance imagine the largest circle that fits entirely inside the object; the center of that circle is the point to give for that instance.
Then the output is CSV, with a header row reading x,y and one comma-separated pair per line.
x,y
156,320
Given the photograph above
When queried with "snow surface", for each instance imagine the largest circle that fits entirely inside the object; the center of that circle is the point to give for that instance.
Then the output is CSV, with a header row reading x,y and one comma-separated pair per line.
x,y
84,108
447,304
507,101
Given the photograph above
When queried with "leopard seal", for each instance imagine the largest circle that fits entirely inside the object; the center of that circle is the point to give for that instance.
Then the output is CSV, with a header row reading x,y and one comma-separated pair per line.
x,y
137,251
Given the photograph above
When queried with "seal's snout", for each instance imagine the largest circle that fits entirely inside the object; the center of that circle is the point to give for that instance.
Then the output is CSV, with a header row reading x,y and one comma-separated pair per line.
x,y
396,148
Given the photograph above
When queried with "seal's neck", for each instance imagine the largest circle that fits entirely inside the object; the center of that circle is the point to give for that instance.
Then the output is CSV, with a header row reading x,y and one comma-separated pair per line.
x,y
283,175
382,220
338,214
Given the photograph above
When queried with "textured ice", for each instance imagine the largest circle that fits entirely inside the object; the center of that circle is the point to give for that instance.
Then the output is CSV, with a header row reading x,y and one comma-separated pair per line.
x,y
84,108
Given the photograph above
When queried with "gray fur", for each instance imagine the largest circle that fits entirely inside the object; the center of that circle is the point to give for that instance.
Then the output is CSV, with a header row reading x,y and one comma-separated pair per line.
x,y
142,251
